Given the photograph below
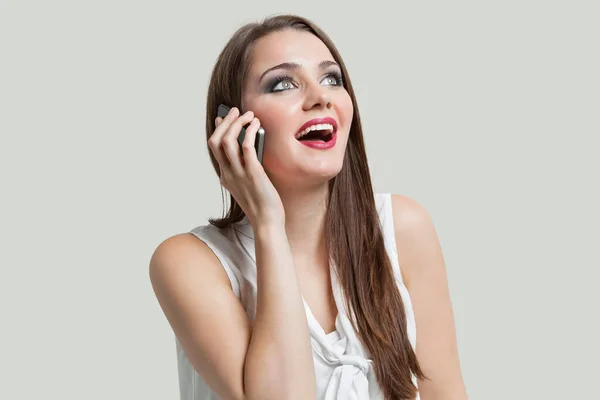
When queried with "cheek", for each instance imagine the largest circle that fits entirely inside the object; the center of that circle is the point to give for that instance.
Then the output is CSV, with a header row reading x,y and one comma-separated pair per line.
x,y
275,122
278,120
345,110
270,121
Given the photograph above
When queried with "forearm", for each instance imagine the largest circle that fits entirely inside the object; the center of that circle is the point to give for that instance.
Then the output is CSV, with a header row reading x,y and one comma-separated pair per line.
x,y
279,362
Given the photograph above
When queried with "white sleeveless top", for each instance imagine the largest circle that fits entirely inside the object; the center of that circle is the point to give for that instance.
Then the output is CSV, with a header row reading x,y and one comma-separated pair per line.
x,y
343,369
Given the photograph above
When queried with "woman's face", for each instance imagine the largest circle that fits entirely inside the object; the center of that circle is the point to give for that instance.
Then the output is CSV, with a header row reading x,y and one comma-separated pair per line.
x,y
285,98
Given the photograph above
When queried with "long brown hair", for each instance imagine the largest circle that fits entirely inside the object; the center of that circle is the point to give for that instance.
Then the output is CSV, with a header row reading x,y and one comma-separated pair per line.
x,y
353,235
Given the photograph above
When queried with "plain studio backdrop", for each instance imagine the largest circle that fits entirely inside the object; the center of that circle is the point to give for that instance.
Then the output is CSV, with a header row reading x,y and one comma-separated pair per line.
x,y
486,113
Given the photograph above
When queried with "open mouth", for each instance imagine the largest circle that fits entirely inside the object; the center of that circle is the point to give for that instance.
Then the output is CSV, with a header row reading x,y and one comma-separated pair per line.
x,y
317,133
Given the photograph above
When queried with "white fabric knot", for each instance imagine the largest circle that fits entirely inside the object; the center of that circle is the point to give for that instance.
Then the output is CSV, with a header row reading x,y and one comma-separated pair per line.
x,y
351,375
357,361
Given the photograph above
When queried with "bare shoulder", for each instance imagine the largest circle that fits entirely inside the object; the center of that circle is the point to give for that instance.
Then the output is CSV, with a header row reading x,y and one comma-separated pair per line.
x,y
184,254
211,324
424,271
416,238
408,213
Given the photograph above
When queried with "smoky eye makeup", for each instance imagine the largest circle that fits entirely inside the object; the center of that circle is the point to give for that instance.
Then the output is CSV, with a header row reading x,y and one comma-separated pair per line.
x,y
339,80
274,81
271,83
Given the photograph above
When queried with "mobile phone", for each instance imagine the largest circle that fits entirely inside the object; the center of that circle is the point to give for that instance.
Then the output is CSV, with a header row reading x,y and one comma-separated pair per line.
x,y
259,142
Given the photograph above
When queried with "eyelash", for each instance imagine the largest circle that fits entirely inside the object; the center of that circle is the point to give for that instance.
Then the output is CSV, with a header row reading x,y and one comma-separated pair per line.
x,y
281,78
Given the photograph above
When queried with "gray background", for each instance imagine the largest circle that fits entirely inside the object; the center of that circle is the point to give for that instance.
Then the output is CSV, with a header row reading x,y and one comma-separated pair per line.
x,y
485,112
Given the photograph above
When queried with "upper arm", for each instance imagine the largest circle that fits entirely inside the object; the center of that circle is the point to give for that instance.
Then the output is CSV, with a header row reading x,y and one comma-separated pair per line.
x,y
208,319
424,273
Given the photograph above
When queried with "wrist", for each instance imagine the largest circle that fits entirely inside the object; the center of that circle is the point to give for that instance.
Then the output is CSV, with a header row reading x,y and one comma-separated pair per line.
x,y
269,230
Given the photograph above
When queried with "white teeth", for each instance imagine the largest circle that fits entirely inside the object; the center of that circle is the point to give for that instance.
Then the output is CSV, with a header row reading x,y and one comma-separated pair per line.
x,y
320,127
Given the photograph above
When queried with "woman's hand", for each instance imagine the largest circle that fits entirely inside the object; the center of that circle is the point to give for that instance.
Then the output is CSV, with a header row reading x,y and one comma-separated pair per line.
x,y
245,178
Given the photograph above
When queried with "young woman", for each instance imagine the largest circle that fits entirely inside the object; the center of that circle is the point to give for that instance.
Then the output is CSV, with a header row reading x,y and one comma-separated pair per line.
x,y
313,286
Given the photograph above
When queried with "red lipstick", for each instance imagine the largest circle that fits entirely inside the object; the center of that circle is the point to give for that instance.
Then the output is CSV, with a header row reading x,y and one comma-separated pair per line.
x,y
317,121
319,144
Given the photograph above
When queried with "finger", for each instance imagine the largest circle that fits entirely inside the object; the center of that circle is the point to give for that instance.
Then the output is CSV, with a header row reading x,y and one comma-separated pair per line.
x,y
231,145
214,142
225,123
248,149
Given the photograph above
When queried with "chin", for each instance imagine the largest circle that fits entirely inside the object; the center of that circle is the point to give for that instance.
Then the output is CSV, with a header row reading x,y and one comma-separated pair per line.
x,y
307,174
318,173
323,172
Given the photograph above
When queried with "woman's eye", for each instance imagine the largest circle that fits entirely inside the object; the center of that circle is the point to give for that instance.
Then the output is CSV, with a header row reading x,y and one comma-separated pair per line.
x,y
286,83
331,80
283,85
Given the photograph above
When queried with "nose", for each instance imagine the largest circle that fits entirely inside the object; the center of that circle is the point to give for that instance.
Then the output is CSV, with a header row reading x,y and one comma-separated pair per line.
x,y
316,97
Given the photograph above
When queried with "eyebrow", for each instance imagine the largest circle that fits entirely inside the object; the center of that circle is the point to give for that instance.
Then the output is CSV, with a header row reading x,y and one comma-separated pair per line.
x,y
295,65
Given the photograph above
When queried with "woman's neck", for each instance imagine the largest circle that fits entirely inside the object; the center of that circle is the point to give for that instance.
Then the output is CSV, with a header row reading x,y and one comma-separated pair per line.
x,y
305,213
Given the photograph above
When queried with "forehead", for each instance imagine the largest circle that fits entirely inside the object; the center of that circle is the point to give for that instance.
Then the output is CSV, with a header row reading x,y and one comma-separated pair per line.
x,y
289,45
